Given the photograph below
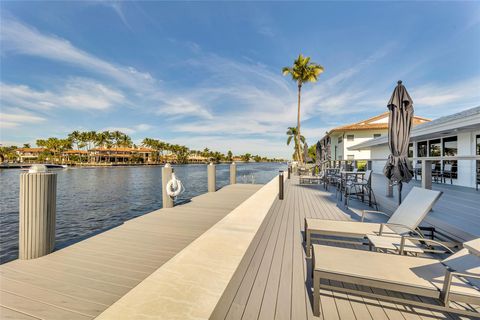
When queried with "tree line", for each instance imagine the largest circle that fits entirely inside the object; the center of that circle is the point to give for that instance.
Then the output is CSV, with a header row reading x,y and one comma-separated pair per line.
x,y
87,140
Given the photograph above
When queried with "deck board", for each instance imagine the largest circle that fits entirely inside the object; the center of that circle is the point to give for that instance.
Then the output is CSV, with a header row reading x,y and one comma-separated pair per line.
x,y
82,280
273,281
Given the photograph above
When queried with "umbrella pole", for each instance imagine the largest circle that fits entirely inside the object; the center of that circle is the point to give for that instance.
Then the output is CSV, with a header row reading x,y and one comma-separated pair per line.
x,y
400,185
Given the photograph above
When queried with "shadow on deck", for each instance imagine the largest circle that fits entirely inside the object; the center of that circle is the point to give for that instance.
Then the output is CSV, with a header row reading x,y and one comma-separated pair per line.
x,y
273,280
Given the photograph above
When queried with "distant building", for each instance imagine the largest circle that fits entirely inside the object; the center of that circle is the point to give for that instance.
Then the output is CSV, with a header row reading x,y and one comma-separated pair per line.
x,y
29,154
121,154
336,142
454,135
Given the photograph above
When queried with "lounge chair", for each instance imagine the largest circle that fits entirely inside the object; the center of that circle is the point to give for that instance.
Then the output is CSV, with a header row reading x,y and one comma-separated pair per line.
x,y
455,279
404,220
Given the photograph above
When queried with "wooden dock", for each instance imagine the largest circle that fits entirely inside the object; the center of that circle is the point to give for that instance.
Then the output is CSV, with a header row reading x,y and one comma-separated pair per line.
x,y
273,279
82,280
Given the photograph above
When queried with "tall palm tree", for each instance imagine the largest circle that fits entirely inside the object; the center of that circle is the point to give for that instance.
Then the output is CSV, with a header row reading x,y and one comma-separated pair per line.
x,y
302,71
292,133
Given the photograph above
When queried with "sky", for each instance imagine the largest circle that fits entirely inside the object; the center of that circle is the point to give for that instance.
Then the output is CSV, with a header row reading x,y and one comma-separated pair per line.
x,y
208,74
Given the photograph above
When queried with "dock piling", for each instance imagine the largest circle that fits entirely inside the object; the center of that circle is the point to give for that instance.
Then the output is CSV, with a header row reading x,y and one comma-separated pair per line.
x,y
280,185
166,176
233,173
211,177
38,204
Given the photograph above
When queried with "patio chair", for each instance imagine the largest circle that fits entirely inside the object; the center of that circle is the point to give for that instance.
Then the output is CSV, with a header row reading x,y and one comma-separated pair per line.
x,y
443,283
405,220
447,173
362,187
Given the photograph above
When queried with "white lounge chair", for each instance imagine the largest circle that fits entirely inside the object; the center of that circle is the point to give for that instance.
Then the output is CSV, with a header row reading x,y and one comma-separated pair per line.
x,y
455,279
405,219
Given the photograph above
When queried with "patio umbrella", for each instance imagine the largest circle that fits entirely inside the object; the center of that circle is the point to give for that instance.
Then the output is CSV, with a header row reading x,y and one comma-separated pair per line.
x,y
318,154
305,152
397,169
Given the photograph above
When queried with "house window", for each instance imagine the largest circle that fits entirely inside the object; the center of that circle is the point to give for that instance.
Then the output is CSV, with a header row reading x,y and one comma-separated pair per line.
x,y
350,137
422,149
340,140
377,135
434,148
450,146
350,157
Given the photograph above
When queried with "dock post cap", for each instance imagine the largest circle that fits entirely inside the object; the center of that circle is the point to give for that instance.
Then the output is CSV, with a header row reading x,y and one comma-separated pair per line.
x,y
38,168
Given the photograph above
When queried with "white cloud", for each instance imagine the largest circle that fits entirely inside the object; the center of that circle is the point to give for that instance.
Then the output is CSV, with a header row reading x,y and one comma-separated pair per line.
x,y
434,99
19,38
10,118
76,93
130,130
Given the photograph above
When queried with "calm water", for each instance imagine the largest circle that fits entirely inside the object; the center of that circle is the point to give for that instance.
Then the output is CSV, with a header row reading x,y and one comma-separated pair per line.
x,y
90,200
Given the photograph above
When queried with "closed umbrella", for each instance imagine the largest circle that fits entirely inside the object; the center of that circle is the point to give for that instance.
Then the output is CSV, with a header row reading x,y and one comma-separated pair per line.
x,y
397,168
318,154
305,152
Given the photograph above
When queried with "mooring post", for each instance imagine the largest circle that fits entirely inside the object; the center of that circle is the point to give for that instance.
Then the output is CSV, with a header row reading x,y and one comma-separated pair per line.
x,y
38,205
280,185
211,177
166,176
233,173
427,174
389,188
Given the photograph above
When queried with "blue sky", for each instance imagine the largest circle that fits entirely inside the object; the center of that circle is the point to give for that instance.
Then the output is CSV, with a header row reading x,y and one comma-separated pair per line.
x,y
208,74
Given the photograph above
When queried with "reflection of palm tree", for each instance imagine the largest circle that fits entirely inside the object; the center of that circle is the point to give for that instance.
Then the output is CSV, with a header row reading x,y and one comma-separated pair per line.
x,y
292,133
302,71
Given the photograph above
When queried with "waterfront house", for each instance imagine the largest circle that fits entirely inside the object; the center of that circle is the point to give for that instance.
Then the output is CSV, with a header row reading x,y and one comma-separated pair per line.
x,y
455,135
121,154
29,154
74,156
337,142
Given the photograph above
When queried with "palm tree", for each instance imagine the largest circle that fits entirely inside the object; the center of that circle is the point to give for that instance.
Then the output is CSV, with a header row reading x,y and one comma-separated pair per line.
x,y
292,133
302,71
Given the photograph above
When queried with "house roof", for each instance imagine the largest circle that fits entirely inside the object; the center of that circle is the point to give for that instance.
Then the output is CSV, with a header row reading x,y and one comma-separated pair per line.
x,y
75,151
31,149
463,120
378,122
123,149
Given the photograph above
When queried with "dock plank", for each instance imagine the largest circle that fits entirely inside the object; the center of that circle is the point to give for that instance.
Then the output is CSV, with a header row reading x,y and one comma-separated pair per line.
x,y
82,280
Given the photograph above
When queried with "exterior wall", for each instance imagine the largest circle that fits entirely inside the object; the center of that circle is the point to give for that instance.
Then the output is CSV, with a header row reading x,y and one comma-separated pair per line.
x,y
379,152
359,137
466,144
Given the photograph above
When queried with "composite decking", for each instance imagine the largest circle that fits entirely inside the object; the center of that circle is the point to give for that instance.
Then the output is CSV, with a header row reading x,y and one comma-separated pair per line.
x,y
273,279
457,212
82,280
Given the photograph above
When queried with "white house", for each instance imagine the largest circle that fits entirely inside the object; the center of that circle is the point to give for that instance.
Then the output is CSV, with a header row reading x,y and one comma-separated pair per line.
x,y
337,141
454,135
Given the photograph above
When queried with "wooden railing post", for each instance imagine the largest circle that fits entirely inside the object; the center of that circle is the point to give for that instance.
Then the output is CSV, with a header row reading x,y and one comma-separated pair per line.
x,y
389,189
369,165
427,174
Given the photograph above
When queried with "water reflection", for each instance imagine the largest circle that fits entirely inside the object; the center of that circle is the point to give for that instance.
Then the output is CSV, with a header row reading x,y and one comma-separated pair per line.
x,y
90,200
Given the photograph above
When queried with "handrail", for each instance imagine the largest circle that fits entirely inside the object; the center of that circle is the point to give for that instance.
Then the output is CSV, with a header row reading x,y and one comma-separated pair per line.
x,y
474,157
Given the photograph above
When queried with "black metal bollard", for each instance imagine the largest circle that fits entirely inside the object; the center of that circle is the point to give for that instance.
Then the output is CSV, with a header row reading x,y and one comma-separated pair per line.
x,y
280,185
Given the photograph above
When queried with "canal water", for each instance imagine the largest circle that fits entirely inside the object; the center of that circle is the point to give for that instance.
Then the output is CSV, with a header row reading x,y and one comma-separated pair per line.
x,y
90,200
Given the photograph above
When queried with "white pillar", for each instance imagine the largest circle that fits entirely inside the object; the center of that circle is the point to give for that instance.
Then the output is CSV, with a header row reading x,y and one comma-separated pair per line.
x,y
166,176
211,177
427,174
38,196
233,173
